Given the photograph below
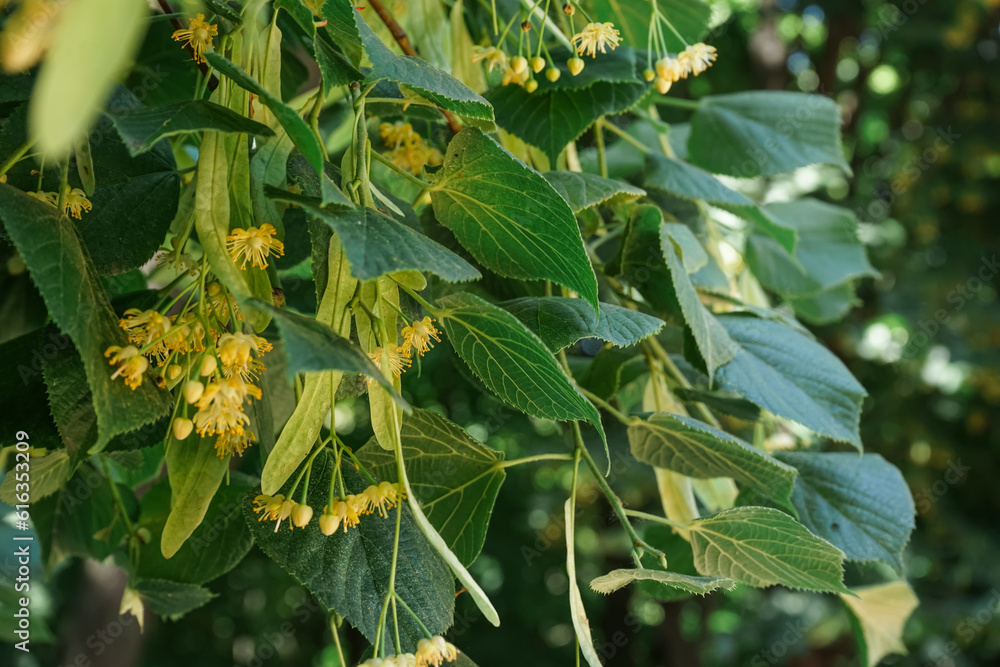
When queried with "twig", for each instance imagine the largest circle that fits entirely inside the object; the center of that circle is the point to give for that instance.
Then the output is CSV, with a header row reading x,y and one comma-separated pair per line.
x,y
403,40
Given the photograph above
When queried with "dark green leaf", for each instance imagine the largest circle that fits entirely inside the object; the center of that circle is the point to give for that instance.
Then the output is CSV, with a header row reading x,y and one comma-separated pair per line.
x,y
456,478
612,581
860,504
511,360
61,268
421,77
695,449
509,217
761,547
349,571
762,133
171,598
581,191
794,377
142,128
561,321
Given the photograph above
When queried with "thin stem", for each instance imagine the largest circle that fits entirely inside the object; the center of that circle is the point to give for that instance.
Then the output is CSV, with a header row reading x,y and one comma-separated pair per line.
x,y
406,607
13,159
620,416
307,466
364,471
638,544
614,129
419,299
63,185
536,457
117,497
392,576
678,376
602,159
334,628
659,519
402,172
677,102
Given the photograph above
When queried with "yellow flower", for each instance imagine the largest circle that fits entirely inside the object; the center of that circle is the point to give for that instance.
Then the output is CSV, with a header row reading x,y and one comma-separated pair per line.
x,y
254,245
75,202
670,69
596,36
198,36
50,198
418,335
332,517
381,497
220,407
398,133
231,442
131,364
398,358
493,57
697,58
144,327
435,651
269,507
234,350
221,302
517,78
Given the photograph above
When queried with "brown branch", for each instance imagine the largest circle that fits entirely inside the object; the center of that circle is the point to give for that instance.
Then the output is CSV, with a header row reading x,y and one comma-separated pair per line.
x,y
213,82
404,43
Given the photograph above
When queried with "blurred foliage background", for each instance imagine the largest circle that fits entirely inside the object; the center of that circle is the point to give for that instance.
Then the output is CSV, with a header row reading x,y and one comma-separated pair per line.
x,y
919,83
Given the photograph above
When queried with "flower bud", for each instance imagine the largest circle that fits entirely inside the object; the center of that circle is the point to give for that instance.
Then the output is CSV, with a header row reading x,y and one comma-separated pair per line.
x,y
575,65
519,64
537,64
193,391
663,85
209,364
328,524
568,9
174,371
526,26
301,515
182,428
648,74
531,86
553,74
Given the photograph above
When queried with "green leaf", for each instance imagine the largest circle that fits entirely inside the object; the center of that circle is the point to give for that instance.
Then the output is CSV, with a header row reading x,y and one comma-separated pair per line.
x,y
509,217
561,321
171,598
860,504
455,477
828,252
512,362
689,182
376,244
313,346
827,306
618,66
582,191
421,77
686,246
550,118
690,18
67,280
696,449
724,402
336,69
215,547
47,474
762,133
349,570
298,130
195,472
342,27
650,263
878,615
612,581
761,547
80,69
142,128
794,377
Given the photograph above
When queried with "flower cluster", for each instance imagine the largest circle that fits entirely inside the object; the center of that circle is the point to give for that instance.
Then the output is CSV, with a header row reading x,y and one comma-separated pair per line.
x,y
434,651
254,245
408,148
417,336
380,497
198,36
278,508
75,202
693,60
